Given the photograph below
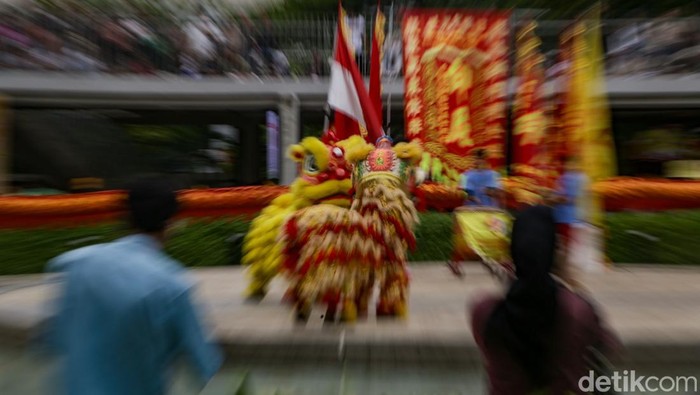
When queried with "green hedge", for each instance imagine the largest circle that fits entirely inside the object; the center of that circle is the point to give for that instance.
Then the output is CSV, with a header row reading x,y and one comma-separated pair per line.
x,y
434,237
666,238
27,251
192,242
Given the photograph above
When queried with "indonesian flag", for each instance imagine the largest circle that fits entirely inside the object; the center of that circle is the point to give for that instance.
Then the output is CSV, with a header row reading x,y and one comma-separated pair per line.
x,y
348,97
375,67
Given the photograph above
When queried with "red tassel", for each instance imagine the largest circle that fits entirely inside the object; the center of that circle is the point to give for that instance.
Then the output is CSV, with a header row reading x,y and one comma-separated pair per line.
x,y
291,228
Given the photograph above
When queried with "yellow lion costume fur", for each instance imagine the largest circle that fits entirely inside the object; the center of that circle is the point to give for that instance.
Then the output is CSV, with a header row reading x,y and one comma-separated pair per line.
x,y
324,178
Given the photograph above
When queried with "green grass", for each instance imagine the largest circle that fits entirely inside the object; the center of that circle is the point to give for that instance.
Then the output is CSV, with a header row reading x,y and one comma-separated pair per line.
x,y
668,237
204,242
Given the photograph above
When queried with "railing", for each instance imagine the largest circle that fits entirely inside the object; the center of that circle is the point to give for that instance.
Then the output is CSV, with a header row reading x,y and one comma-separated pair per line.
x,y
286,48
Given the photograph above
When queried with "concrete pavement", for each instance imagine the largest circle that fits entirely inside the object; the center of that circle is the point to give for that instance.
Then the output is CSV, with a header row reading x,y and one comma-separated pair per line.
x,y
655,310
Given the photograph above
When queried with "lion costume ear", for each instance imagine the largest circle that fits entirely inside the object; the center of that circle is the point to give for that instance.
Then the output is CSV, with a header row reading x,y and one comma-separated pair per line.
x,y
411,152
296,153
313,146
356,148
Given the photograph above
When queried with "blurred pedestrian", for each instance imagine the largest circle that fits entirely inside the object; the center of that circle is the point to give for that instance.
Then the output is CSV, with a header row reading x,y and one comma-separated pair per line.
x,y
282,67
317,63
665,38
356,24
482,184
570,200
235,49
541,337
393,59
125,311
116,44
626,46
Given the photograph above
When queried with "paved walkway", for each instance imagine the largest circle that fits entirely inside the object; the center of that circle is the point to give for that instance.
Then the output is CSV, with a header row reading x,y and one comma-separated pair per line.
x,y
656,311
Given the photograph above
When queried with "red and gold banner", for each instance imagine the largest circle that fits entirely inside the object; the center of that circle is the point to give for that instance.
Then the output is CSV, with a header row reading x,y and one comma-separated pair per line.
x,y
530,157
456,71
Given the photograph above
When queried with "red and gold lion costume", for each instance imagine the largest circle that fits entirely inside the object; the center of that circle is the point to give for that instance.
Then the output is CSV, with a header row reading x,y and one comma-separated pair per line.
x,y
337,254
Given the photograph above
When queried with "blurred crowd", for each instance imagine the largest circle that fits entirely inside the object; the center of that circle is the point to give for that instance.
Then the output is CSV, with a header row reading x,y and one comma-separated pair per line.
x,y
664,45
206,43
142,44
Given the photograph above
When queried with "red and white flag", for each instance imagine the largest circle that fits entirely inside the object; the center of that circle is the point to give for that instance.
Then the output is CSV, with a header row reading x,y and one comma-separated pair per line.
x,y
347,96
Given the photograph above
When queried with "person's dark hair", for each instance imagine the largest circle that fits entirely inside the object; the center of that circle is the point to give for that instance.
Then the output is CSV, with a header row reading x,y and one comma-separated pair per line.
x,y
480,153
523,324
151,202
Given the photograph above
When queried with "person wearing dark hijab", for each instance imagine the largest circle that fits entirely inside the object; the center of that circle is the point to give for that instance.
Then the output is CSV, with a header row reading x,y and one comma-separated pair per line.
x,y
537,336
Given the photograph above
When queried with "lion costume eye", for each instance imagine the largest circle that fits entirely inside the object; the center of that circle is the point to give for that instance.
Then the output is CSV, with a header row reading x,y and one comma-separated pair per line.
x,y
310,165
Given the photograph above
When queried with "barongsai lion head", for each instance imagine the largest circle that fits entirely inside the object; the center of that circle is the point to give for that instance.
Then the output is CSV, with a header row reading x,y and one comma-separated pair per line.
x,y
324,173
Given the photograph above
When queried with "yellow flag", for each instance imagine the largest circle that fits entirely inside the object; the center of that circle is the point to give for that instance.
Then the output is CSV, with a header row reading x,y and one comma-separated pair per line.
x,y
588,96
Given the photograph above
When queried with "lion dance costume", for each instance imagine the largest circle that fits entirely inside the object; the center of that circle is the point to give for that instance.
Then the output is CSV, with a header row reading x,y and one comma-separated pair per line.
x,y
324,178
337,255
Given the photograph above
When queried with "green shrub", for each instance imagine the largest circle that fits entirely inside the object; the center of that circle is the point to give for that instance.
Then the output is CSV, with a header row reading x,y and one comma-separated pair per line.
x,y
194,243
434,237
205,242
28,250
665,238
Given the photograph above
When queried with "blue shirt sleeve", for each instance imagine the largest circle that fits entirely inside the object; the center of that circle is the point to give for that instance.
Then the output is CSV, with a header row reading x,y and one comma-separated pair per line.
x,y
204,356
494,180
463,180
50,334
471,183
569,187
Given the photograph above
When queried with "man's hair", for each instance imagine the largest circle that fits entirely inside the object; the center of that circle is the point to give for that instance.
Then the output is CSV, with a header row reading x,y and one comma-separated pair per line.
x,y
480,153
152,201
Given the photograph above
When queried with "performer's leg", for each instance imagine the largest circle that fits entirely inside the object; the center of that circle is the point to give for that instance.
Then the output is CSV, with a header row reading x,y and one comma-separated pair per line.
x,y
349,313
303,310
332,299
564,235
292,295
401,306
363,295
455,264
383,304
257,287
392,296
563,267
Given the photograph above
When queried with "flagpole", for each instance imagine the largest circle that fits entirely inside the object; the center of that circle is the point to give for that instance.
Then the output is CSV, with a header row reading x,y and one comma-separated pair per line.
x,y
327,107
391,42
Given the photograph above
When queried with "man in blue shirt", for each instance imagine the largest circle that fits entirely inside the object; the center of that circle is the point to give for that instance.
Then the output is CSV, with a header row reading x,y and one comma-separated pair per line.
x,y
482,184
483,188
125,311
570,200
